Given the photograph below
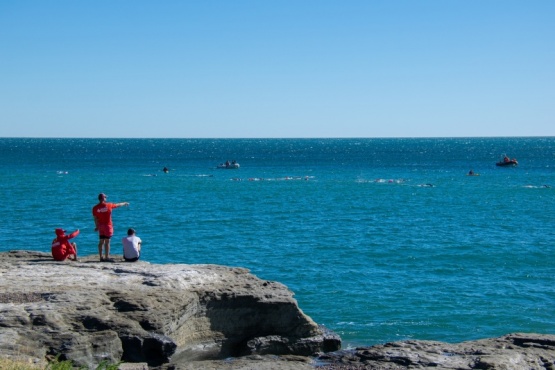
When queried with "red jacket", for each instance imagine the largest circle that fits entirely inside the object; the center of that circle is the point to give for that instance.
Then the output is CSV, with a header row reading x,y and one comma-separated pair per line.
x,y
61,247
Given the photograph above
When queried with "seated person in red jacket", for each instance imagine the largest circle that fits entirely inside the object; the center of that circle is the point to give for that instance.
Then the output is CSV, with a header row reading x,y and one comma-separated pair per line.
x,y
62,248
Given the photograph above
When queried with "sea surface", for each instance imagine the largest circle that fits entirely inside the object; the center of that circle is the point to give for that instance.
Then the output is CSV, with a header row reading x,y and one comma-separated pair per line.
x,y
379,239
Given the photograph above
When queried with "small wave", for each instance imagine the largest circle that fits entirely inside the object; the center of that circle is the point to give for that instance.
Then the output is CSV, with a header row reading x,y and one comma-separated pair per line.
x,y
381,181
389,181
537,187
286,178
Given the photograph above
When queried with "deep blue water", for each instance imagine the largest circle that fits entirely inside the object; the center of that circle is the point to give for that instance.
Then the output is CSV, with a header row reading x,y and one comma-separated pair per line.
x,y
350,225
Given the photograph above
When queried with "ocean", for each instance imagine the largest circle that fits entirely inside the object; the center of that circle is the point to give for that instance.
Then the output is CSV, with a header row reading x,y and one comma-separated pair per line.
x,y
380,239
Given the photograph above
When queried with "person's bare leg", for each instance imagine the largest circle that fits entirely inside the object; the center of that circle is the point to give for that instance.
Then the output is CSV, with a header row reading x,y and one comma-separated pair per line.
x,y
107,248
100,243
74,245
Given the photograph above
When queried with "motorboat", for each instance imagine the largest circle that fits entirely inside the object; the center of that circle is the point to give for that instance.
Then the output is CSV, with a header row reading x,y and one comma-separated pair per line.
x,y
229,165
507,162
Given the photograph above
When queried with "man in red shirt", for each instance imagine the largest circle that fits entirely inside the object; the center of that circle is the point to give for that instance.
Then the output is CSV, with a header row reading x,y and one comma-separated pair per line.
x,y
102,213
62,248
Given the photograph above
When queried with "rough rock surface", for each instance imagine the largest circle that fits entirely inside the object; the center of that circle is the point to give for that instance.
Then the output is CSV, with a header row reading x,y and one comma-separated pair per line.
x,y
188,317
91,311
511,352
517,351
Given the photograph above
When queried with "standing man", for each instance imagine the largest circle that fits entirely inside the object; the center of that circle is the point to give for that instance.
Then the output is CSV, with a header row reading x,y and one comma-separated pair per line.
x,y
102,214
131,246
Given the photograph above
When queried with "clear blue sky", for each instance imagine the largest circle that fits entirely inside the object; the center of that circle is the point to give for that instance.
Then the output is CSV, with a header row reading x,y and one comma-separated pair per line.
x,y
283,68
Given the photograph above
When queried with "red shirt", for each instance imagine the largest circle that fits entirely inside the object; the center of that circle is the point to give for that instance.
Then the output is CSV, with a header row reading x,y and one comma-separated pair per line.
x,y
102,212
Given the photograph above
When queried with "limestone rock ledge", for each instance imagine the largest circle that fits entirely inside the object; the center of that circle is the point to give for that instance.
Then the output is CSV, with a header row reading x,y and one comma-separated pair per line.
x,y
91,311
517,351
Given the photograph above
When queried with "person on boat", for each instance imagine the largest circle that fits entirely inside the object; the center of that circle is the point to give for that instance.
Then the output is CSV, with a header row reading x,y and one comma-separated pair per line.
x,y
471,173
227,163
506,159
62,248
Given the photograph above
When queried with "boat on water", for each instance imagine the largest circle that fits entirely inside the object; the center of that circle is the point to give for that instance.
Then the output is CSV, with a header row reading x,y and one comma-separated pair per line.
x,y
229,165
507,162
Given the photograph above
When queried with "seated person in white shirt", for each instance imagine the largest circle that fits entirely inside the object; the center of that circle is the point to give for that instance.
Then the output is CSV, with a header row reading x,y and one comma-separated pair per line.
x,y
131,246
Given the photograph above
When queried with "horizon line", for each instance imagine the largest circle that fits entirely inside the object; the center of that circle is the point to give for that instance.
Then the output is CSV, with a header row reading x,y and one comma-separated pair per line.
x,y
275,138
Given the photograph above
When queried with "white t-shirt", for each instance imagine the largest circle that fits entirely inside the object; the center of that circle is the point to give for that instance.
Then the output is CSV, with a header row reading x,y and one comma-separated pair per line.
x,y
131,246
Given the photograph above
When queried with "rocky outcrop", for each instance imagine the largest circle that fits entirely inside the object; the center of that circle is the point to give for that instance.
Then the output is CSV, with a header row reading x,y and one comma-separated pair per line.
x,y
91,311
187,317
517,351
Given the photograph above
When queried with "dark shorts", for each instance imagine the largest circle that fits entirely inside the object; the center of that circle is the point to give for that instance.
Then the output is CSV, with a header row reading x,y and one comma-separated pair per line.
x,y
131,259
104,237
